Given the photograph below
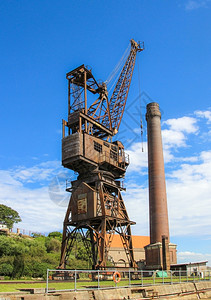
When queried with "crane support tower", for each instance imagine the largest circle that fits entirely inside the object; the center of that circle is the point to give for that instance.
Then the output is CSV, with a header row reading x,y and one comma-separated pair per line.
x,y
96,208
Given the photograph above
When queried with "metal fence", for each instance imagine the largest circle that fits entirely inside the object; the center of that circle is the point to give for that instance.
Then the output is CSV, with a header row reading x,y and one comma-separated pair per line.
x,y
74,280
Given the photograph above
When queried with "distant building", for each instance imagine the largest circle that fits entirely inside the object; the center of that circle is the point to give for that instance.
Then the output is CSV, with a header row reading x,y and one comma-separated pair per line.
x,y
4,229
192,268
117,253
3,226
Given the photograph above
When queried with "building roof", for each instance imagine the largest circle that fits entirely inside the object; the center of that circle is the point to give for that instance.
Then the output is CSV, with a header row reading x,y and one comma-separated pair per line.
x,y
191,263
138,241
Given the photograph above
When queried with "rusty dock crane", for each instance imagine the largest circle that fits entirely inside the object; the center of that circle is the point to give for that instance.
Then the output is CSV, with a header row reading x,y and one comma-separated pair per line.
x,y
96,208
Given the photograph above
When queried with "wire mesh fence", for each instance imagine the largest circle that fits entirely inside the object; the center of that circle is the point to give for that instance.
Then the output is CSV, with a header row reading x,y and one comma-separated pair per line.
x,y
74,280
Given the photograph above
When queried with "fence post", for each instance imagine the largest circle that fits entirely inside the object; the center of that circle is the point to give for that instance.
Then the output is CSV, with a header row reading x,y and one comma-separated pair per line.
x,y
98,279
75,282
179,276
142,282
129,278
171,276
153,275
162,277
193,277
47,282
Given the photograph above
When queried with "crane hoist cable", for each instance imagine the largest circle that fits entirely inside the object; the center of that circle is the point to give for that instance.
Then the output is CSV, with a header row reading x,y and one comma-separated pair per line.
x,y
107,111
118,99
141,119
118,66
115,81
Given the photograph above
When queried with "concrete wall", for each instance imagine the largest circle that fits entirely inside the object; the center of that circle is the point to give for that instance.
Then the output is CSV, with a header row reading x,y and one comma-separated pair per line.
x,y
199,290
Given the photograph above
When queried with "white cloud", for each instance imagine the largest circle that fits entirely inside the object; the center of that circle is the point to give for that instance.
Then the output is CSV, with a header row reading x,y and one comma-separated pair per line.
x,y
173,137
187,159
195,4
184,124
176,135
188,179
40,172
188,194
187,256
6,178
204,114
138,159
194,172
38,212
189,190
136,201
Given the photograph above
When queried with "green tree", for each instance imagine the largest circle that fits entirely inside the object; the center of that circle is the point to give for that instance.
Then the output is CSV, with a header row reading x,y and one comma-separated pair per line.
x,y
55,234
53,245
18,266
7,246
6,269
82,253
8,216
6,265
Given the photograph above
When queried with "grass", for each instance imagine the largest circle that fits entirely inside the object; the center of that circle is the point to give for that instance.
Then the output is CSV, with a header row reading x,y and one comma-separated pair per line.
x,y
14,287
86,283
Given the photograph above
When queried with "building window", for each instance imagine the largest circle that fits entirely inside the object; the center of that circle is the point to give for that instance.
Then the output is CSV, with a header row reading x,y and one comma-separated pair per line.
x,y
97,147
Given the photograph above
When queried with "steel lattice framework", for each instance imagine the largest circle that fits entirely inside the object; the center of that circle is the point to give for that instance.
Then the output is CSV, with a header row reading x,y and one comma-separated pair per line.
x,y
96,209
110,112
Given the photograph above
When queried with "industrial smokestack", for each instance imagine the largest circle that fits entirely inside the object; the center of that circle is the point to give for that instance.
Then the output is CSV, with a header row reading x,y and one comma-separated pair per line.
x,y
160,253
157,187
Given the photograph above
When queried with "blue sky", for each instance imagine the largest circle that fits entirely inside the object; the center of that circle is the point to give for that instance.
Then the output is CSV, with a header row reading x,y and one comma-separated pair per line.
x,y
42,40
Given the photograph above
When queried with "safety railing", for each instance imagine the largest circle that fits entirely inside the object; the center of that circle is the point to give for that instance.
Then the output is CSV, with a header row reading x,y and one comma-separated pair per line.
x,y
74,280
113,159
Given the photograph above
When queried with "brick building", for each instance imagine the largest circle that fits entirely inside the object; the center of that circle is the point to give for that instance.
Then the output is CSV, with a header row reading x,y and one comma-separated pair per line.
x,y
117,253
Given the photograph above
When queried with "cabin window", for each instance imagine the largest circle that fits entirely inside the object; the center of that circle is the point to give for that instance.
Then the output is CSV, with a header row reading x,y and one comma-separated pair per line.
x,y
106,144
113,155
114,148
97,147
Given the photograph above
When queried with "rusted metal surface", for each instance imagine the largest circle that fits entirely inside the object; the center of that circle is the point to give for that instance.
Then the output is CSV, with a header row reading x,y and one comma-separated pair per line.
x,y
118,99
103,214
107,112
96,208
